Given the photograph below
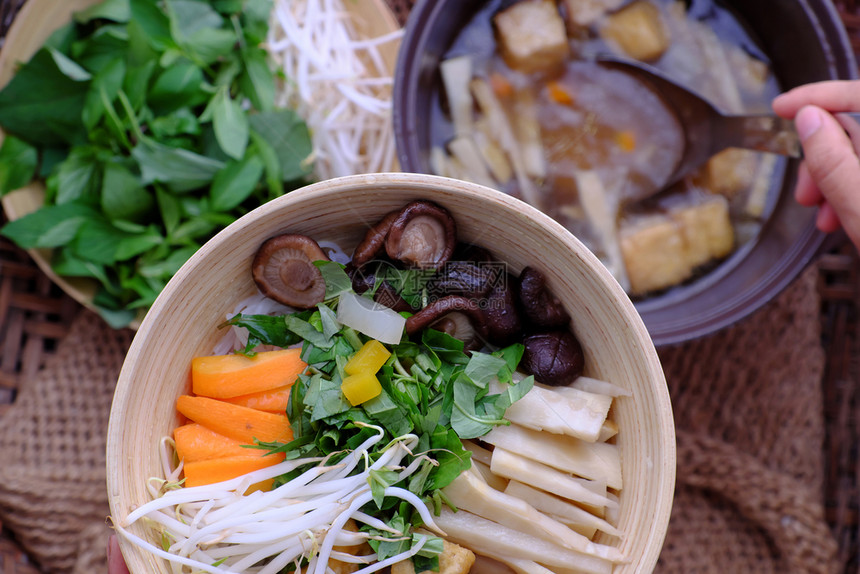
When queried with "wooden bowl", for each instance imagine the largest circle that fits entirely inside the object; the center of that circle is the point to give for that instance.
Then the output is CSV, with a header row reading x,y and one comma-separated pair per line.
x,y
183,324
38,19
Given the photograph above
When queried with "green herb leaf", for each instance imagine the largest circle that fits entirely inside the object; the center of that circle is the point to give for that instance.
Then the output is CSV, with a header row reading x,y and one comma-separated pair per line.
x,y
43,104
179,169
257,80
483,368
18,161
50,226
123,195
230,123
288,135
235,183
116,10
336,279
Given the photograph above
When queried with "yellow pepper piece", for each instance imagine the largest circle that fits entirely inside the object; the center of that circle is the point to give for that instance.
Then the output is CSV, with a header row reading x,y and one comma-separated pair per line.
x,y
368,359
360,387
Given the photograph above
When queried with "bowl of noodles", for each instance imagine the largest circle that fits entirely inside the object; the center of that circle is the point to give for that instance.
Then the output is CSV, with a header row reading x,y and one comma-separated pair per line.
x,y
621,471
513,94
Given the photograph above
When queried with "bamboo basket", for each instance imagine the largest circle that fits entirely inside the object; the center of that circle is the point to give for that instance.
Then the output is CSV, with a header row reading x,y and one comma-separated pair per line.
x,y
183,323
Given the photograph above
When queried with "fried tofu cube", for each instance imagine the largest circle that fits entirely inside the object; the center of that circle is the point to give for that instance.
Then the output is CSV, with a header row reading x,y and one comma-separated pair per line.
x,y
339,567
531,36
654,254
706,229
454,560
638,31
731,171
663,250
587,12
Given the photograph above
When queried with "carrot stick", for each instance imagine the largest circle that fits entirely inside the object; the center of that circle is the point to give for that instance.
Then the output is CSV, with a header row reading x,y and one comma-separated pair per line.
x,y
220,469
195,442
234,421
225,376
272,401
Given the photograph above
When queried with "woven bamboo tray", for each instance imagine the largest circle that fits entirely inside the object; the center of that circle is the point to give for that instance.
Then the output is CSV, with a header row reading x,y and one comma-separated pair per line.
x,y
35,315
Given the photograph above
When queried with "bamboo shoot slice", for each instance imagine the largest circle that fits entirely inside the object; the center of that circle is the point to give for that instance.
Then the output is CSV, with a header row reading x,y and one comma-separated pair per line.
x,y
515,467
596,461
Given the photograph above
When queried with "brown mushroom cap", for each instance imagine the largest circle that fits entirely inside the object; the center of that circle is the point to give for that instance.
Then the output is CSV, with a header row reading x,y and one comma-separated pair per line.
x,y
540,305
554,357
423,235
437,312
283,270
374,239
501,314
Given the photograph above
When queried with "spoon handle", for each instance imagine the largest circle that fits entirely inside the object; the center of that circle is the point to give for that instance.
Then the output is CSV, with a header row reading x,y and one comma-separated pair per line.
x,y
766,133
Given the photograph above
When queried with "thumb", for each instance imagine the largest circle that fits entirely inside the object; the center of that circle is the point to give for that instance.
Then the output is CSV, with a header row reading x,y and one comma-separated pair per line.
x,y
833,165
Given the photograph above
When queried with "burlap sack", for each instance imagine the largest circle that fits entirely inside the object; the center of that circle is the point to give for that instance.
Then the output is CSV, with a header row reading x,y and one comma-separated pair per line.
x,y
53,494
748,408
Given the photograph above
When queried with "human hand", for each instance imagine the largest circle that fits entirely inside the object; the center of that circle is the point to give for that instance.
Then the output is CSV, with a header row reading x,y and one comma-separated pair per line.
x,y
829,176
116,563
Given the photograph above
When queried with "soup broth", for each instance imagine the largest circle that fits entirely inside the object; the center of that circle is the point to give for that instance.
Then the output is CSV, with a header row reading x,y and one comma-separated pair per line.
x,y
523,107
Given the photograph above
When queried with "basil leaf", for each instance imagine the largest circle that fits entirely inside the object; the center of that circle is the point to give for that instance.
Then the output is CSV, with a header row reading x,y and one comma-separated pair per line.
x,y
288,135
176,87
180,169
51,226
154,24
230,123
235,183
104,87
18,161
115,10
123,195
257,80
42,104
68,67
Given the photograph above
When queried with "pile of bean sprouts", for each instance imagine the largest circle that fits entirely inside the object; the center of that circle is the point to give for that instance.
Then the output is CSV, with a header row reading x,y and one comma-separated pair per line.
x,y
337,82
217,528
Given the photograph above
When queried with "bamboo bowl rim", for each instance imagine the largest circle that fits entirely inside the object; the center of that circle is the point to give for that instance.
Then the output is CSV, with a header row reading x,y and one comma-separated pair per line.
x,y
182,324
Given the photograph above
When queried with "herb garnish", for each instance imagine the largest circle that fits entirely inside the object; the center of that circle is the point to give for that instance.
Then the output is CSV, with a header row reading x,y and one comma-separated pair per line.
x,y
431,388
153,124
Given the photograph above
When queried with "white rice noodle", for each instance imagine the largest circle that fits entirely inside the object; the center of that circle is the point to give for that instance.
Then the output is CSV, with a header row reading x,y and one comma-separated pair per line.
x,y
337,82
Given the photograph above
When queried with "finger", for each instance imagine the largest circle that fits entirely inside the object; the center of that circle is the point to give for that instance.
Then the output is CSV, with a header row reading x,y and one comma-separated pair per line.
x,y
833,165
826,219
852,128
116,563
806,193
834,96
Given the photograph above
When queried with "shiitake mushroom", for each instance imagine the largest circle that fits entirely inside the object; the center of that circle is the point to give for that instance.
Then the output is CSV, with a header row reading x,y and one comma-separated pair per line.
x,y
553,357
447,314
423,235
284,270
540,306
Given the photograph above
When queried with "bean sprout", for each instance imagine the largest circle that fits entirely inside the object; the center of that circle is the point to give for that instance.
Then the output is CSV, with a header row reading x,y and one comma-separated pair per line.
x,y
337,82
216,528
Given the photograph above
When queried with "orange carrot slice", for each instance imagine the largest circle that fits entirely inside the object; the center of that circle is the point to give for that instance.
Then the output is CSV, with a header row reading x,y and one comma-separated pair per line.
x,y
225,376
234,421
195,442
501,85
271,401
559,93
203,472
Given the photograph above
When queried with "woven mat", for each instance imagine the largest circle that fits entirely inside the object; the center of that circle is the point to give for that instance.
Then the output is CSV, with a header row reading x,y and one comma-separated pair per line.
x,y
748,406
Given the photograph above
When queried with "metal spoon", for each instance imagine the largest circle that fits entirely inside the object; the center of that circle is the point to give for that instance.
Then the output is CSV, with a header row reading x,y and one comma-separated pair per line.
x,y
707,130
